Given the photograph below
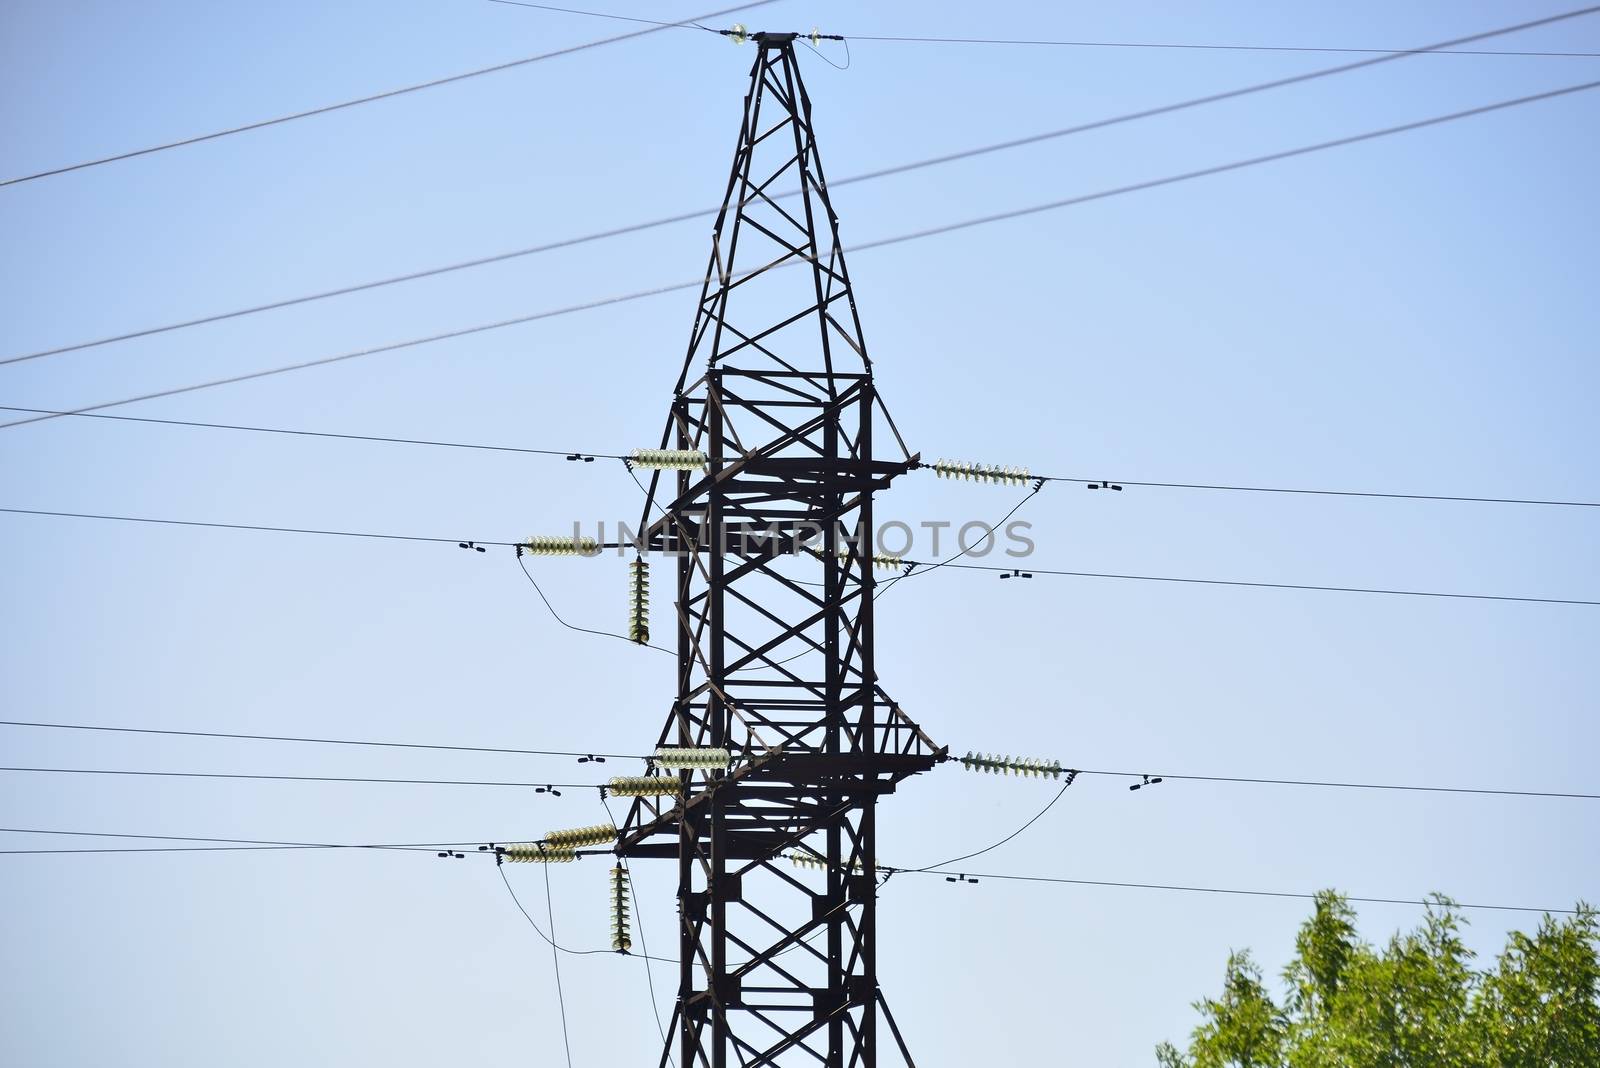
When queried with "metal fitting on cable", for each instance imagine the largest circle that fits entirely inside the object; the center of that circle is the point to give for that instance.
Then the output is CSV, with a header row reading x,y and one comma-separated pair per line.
x,y
560,545
1006,765
643,786
992,473
668,459
677,758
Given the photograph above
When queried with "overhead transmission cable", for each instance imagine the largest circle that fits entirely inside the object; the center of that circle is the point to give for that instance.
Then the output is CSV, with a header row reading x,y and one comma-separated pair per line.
x,y
537,787
245,845
1223,168
1337,785
903,168
581,630
555,958
551,942
276,844
605,15
590,756
1327,492
325,361
1275,585
978,876
971,877
1096,44
1147,779
965,550
248,526
1189,776
198,849
953,566
371,98
1174,45
381,439
571,454
884,242
1037,816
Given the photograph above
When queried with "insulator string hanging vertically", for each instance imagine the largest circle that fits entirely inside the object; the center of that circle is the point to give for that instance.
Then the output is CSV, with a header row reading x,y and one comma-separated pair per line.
x,y
639,602
621,937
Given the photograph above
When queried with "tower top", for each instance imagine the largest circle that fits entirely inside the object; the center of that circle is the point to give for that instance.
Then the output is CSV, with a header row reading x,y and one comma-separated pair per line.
x,y
777,294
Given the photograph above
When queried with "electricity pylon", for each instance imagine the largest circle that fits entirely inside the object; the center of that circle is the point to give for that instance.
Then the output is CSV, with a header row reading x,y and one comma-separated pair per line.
x,y
771,527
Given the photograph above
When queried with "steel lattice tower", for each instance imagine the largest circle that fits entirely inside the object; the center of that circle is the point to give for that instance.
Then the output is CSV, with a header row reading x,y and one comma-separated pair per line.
x,y
775,637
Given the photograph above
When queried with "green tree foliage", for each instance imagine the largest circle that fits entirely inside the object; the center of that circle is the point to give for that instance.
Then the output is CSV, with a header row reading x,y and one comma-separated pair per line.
x,y
1416,1002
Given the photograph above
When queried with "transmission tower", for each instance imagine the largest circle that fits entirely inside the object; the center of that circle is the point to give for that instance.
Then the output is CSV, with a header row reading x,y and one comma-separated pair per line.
x,y
780,740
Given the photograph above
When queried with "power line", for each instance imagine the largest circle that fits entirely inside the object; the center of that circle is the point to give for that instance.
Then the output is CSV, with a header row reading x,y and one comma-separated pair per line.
x,y
971,877
970,153
1098,44
1210,47
1246,780
1275,585
252,845
316,741
918,563
371,351
975,876
1327,784
916,235
232,841
923,569
555,958
580,453
604,15
423,846
555,946
248,526
1206,172
359,287
1325,492
537,929
317,433
581,630
385,95
537,787
187,849
1037,816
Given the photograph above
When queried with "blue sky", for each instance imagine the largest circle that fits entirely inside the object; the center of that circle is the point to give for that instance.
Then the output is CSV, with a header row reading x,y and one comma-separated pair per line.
x,y
1410,314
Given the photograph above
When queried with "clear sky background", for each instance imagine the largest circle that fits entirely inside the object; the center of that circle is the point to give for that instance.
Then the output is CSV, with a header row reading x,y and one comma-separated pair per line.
x,y
1411,314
